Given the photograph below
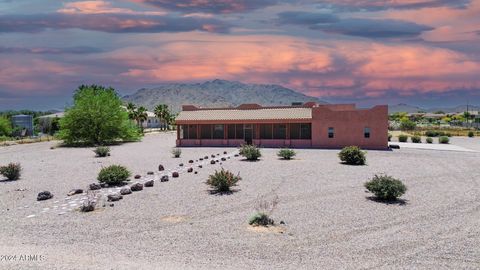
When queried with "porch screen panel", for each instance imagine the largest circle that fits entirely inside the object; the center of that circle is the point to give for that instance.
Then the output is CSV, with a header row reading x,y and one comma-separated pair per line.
x,y
231,132
192,132
280,131
239,131
294,131
206,131
266,131
306,131
218,132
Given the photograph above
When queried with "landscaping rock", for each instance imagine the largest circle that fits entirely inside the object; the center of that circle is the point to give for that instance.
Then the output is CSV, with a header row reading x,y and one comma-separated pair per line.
x,y
190,161
74,192
190,170
104,185
95,186
138,176
212,161
201,159
213,156
161,168
87,207
200,166
150,173
114,197
236,155
150,183
136,187
224,152
44,195
164,178
175,174
223,159
125,191
181,164
195,172
206,157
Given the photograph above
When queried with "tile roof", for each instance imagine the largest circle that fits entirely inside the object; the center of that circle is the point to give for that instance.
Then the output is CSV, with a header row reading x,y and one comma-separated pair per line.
x,y
251,114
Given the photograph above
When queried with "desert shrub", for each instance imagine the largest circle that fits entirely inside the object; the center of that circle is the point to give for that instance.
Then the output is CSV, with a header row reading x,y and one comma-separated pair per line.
x,y
471,134
176,152
12,171
113,175
448,134
250,152
222,181
431,133
352,155
429,140
5,127
102,151
402,138
286,153
264,208
416,139
443,140
386,187
389,137
96,118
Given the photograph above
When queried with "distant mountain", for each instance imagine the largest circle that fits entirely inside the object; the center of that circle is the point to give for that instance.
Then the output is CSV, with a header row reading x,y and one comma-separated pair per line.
x,y
404,108
413,109
216,93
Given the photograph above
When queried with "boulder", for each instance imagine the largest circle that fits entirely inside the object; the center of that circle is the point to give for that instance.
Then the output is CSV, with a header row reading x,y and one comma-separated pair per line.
x,y
206,157
190,170
175,174
149,183
138,176
74,192
213,156
224,152
136,187
150,173
164,178
95,186
200,166
114,197
44,195
181,164
190,161
212,161
201,159
236,155
125,191
223,159
89,207
161,168
195,172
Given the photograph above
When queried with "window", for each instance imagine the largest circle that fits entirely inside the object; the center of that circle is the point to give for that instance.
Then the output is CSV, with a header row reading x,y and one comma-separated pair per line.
x,y
218,132
280,131
206,131
182,131
305,131
331,132
366,132
266,131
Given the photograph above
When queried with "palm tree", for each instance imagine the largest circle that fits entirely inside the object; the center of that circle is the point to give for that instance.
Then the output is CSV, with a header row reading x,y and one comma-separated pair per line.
x,y
141,116
132,109
171,118
162,112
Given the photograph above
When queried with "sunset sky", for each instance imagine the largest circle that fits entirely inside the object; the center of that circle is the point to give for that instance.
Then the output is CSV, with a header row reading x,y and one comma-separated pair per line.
x,y
420,52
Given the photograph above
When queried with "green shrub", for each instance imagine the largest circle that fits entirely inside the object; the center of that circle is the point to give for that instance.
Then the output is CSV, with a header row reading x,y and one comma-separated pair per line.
x,y
5,127
443,140
389,137
286,153
11,171
386,187
96,118
352,155
416,139
471,134
260,219
429,140
250,152
431,133
176,152
222,181
113,175
102,151
402,138
407,125
448,134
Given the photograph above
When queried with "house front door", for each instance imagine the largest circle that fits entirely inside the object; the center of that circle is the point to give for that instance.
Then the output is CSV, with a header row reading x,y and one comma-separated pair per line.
x,y
248,133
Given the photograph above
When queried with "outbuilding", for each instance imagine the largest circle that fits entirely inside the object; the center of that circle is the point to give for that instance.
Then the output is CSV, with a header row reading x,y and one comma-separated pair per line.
x,y
308,125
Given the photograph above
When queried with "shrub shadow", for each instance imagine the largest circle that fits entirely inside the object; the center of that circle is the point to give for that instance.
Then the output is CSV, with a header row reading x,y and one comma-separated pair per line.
x,y
356,165
401,202
248,160
222,193
6,180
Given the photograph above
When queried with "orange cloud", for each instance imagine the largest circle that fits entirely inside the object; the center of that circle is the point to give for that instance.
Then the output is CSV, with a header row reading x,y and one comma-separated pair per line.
x,y
100,7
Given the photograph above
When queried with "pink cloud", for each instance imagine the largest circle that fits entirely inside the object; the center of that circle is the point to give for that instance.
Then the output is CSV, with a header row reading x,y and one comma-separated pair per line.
x,y
101,7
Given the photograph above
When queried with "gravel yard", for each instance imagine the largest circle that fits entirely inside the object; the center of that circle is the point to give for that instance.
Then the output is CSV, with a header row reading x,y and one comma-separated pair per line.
x,y
329,221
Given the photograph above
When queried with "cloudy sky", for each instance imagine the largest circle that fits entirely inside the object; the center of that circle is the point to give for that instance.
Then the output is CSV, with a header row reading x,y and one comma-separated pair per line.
x,y
421,52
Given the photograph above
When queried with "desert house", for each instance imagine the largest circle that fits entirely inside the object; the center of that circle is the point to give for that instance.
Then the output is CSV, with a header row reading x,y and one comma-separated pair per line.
x,y
308,125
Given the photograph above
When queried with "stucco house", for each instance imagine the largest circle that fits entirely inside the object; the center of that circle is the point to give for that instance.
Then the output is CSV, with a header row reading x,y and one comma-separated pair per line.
x,y
308,125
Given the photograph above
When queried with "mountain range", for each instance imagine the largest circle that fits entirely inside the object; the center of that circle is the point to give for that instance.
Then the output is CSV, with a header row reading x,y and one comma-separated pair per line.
x,y
414,109
216,93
